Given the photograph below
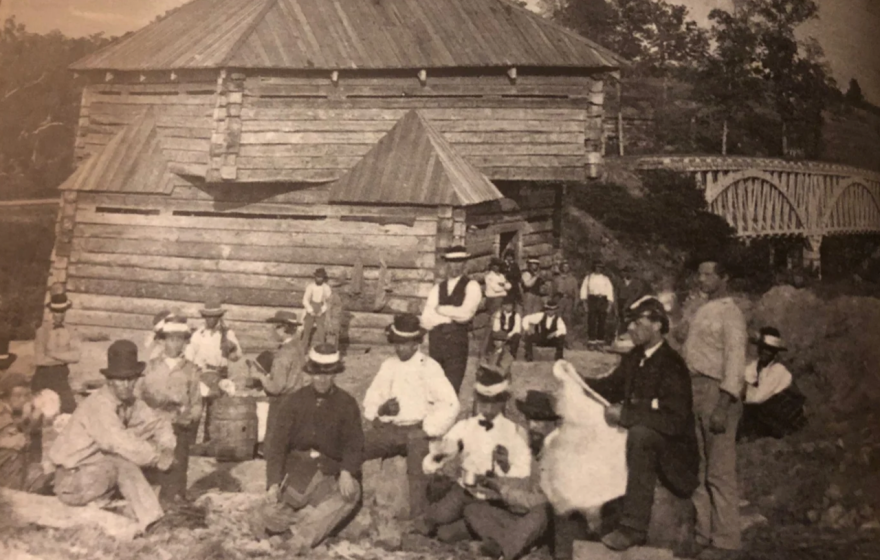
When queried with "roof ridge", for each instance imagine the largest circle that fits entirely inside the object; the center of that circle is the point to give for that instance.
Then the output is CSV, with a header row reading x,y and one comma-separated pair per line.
x,y
245,35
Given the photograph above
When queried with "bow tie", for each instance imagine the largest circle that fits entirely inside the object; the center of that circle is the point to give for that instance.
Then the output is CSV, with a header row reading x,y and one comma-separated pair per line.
x,y
488,424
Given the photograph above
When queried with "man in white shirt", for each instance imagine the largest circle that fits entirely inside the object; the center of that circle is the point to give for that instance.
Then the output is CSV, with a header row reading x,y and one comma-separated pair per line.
x,y
409,401
546,329
597,297
447,316
497,286
213,346
315,301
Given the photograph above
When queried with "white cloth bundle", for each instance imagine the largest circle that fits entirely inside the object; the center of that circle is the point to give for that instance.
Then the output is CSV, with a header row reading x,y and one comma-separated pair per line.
x,y
583,464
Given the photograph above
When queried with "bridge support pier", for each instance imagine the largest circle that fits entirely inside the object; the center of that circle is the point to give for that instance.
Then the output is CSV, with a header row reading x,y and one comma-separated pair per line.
x,y
813,254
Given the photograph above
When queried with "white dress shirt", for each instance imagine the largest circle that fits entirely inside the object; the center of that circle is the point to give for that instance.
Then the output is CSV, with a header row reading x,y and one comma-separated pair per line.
x,y
496,285
435,314
204,348
422,390
596,284
772,380
535,319
316,294
501,317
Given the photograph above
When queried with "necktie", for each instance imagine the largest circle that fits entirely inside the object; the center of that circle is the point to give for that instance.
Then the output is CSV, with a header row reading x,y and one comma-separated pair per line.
x,y
488,424
123,412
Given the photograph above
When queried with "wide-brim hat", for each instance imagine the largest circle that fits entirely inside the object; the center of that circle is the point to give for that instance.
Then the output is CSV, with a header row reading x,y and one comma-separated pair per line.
x,y
284,318
457,253
537,405
493,383
212,308
59,303
174,324
320,273
771,340
324,359
122,361
551,305
405,328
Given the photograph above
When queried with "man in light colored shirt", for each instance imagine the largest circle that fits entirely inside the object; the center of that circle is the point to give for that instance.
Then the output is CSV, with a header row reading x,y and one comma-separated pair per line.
x,y
447,316
546,329
715,351
497,286
409,401
213,346
597,297
55,348
315,301
109,439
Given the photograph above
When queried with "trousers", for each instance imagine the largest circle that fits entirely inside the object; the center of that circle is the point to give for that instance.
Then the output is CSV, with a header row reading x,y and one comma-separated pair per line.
x,y
532,340
387,440
316,323
13,468
99,480
448,345
513,533
597,317
717,497
55,378
173,482
311,515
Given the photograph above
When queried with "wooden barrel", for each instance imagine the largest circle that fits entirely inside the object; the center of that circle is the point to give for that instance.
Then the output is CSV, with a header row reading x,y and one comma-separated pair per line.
x,y
233,422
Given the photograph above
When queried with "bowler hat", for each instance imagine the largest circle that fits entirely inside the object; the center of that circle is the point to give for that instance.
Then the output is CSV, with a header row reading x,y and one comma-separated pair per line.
x,y
7,358
284,318
769,337
406,327
324,359
537,405
456,253
122,361
59,303
212,308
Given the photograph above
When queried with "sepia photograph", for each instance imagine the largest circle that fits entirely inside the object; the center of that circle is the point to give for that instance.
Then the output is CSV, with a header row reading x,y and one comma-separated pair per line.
x,y
439,279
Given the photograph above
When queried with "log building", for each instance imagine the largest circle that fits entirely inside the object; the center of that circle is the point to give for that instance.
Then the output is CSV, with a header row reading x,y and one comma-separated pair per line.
x,y
233,146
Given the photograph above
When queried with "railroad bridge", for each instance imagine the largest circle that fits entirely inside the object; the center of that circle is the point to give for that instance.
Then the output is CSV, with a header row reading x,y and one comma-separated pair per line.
x,y
761,197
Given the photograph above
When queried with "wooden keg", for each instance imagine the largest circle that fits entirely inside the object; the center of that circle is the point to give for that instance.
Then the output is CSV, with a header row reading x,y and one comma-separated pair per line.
x,y
233,422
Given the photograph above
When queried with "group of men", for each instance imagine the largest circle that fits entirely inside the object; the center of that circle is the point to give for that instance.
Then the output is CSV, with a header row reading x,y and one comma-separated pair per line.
x,y
681,413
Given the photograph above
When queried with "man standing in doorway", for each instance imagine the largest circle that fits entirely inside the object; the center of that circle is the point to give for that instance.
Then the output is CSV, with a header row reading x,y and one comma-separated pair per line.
x,y
715,352
597,295
450,308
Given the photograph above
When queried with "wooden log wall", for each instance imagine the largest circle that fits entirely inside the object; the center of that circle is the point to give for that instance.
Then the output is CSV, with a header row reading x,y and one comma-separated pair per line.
x,y
134,255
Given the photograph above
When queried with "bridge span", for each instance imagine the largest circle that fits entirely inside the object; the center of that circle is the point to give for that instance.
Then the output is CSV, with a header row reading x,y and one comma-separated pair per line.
x,y
762,197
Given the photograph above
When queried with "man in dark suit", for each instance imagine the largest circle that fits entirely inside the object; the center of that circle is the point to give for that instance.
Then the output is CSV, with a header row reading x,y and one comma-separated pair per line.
x,y
651,389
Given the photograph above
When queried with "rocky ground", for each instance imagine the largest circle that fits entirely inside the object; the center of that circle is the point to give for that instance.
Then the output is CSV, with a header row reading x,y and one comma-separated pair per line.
x,y
813,496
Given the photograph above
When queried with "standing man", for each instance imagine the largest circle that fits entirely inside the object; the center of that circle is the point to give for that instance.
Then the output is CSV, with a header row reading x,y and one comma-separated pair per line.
x,y
512,272
597,295
55,348
213,346
497,286
315,301
314,454
632,289
545,329
450,308
565,289
657,411
532,284
409,401
715,352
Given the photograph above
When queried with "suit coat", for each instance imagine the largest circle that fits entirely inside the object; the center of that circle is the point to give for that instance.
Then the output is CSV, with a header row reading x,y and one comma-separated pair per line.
x,y
657,394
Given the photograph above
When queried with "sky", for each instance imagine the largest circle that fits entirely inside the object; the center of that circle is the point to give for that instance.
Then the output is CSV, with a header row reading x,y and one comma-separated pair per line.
x,y
847,30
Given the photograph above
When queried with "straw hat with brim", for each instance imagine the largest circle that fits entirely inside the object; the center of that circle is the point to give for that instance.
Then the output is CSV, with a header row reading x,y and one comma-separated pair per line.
x,y
537,405
284,318
122,361
59,302
7,358
212,308
551,305
405,328
769,337
533,261
324,359
457,253
492,384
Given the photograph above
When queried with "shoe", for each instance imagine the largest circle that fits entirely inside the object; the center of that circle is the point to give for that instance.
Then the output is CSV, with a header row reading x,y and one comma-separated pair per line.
x,y
623,539
713,553
491,549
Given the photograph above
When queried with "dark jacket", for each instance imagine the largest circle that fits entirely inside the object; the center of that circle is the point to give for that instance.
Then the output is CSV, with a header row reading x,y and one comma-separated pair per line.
x,y
658,395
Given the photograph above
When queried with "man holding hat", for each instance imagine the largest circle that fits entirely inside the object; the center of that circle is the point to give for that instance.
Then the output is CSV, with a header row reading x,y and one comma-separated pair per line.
x,y
171,386
532,285
55,348
510,524
409,401
651,392
110,438
313,457
490,446
213,345
773,405
546,329
315,301
450,308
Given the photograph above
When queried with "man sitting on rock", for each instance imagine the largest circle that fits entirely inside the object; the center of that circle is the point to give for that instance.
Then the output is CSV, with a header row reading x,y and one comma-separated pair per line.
x,y
409,401
110,438
545,329
508,322
314,453
490,446
652,389
514,515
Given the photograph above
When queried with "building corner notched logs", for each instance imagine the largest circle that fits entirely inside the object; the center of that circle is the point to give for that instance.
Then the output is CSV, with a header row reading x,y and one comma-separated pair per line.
x,y
226,137
594,129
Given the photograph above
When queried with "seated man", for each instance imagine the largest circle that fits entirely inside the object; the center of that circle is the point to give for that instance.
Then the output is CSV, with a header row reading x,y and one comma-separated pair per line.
x,y
490,446
514,516
499,354
17,421
657,410
314,453
545,329
773,405
409,401
110,437
508,322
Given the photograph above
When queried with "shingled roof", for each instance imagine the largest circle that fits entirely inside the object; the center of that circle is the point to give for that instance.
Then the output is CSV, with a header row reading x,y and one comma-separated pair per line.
x,y
413,164
350,34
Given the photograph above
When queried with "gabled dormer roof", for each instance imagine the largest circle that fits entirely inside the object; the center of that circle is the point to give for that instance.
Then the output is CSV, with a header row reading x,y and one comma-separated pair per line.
x,y
350,34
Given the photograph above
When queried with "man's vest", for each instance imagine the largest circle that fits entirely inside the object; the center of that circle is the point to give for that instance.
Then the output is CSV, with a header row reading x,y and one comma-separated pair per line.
x,y
456,298
507,324
542,328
